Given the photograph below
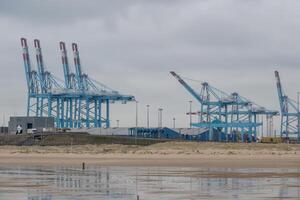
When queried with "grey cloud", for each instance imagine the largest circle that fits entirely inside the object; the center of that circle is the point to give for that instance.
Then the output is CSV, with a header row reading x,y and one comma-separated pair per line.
x,y
132,45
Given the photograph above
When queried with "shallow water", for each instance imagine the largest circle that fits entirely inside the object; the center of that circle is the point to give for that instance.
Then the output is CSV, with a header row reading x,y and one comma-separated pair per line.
x,y
96,182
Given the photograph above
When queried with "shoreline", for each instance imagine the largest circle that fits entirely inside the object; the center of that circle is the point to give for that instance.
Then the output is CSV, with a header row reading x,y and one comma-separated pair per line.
x,y
169,154
156,160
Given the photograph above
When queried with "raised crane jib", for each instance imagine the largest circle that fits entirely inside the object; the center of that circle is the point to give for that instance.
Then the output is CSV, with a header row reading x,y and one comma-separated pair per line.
x,y
65,63
40,64
281,95
186,86
77,66
27,63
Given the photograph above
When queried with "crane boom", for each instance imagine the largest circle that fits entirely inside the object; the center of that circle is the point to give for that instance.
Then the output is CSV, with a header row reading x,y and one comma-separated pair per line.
x,y
186,86
40,63
280,92
65,64
77,65
27,63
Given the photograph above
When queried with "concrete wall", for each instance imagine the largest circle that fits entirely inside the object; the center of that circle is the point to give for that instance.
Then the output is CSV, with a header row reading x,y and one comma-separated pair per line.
x,y
190,131
38,123
102,131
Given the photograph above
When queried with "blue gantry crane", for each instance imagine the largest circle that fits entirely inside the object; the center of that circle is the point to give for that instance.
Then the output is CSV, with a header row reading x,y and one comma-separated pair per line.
x,y
78,101
226,113
289,110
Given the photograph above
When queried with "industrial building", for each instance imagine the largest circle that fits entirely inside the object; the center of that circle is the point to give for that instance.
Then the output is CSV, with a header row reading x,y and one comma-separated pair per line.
x,y
190,134
27,124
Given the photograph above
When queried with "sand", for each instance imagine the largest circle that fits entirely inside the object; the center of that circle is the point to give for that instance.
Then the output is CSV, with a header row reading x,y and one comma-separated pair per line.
x,y
177,154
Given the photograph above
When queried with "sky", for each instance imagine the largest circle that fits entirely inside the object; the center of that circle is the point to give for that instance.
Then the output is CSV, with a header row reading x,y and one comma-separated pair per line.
x,y
132,45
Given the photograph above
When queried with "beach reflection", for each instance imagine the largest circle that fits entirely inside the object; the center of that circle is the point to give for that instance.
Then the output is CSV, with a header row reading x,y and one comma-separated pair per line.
x,y
95,182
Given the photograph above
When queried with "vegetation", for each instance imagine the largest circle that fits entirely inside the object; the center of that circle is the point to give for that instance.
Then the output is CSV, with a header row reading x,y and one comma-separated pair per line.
x,y
58,139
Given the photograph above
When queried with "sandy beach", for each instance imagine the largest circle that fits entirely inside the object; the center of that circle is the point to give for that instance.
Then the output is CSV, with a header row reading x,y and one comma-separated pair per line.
x,y
177,154
173,170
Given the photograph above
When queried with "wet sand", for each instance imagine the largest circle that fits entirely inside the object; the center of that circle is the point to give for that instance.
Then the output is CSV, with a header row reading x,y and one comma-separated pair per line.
x,y
173,170
97,182
153,160
172,154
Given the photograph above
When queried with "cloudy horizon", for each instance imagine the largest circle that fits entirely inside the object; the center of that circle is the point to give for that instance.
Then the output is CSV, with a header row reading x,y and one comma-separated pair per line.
x,y
132,45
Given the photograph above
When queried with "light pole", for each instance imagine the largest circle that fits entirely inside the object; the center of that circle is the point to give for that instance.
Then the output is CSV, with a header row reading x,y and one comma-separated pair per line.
x,y
268,127
136,114
148,116
298,115
298,94
174,122
136,119
190,113
158,120
160,117
118,123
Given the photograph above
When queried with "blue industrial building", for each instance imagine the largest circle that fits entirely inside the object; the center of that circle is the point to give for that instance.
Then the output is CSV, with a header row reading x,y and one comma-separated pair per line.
x,y
194,134
156,133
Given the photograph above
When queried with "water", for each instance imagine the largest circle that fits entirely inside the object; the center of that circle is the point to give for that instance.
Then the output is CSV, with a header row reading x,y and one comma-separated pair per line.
x,y
96,182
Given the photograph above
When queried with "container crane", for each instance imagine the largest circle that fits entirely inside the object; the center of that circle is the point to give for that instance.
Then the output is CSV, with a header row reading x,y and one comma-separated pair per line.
x,y
289,110
76,103
226,113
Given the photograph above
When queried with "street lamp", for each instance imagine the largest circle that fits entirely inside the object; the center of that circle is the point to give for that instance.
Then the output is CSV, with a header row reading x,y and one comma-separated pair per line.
x,y
298,114
160,117
136,114
190,113
174,122
298,94
148,116
136,121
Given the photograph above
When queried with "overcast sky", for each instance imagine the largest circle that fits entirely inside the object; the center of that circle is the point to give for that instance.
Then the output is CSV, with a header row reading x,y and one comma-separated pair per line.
x,y
132,45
